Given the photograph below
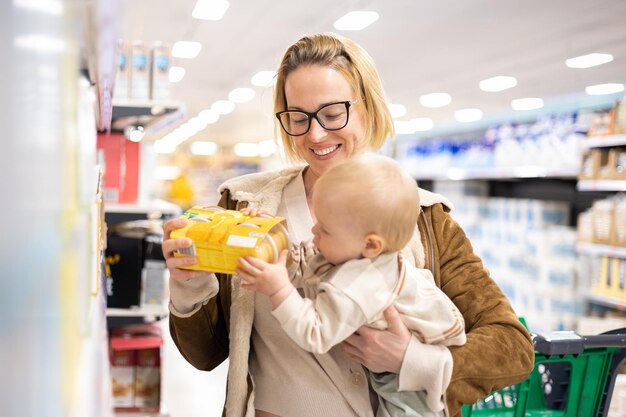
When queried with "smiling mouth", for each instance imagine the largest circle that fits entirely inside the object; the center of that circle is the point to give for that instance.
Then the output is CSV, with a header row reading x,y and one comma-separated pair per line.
x,y
325,151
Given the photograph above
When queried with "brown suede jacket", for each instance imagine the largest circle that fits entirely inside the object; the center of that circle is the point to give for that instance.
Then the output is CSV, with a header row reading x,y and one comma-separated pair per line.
x,y
498,351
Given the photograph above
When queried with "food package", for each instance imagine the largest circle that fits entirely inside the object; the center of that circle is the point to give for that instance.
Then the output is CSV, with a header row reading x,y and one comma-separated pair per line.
x,y
220,237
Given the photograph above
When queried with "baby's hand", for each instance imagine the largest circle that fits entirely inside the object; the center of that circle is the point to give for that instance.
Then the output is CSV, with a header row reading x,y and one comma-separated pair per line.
x,y
254,212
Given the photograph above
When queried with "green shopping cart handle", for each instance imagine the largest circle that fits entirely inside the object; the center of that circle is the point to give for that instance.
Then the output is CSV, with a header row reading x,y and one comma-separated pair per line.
x,y
571,343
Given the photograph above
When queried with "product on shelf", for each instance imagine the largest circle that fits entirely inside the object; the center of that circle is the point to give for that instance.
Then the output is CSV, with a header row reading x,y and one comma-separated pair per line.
x,y
140,72
160,90
135,353
220,237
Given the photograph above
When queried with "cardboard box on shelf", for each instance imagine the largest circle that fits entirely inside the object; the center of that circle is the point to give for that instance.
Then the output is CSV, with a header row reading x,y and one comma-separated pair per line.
x,y
617,163
142,343
603,221
123,377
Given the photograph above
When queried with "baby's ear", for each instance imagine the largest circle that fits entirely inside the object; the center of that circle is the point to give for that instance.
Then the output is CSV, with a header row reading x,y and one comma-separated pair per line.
x,y
374,246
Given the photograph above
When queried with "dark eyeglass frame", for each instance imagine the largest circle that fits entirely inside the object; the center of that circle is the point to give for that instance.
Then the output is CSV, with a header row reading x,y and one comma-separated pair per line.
x,y
311,116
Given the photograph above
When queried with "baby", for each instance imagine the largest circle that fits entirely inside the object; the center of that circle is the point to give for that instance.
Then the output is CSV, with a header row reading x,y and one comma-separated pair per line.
x,y
366,212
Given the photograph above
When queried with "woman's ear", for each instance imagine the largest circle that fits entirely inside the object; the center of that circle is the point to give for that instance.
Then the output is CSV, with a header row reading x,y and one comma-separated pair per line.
x,y
374,246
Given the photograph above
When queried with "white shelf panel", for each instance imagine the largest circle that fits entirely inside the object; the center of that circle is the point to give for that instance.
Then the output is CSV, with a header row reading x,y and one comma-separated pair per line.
x,y
529,171
161,206
149,313
601,185
601,250
603,141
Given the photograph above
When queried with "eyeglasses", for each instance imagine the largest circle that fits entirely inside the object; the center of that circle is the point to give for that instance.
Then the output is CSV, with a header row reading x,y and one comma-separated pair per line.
x,y
333,116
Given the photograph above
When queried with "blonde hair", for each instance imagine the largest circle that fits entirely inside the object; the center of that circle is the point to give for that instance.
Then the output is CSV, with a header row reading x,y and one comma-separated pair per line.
x,y
379,196
356,65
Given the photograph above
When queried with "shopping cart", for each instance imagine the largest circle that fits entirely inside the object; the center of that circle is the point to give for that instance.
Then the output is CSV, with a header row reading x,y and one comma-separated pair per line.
x,y
573,376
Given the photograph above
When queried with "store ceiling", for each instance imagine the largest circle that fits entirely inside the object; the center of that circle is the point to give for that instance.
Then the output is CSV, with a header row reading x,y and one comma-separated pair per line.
x,y
420,46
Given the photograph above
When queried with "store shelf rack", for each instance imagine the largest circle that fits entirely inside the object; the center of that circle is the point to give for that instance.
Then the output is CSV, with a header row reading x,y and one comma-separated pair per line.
x,y
601,250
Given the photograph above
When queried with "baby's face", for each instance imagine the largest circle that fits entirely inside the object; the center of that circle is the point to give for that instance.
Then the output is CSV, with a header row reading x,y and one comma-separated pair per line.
x,y
336,236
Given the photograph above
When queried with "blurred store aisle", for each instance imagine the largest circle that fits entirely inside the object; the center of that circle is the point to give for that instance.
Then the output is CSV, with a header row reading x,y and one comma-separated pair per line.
x,y
188,392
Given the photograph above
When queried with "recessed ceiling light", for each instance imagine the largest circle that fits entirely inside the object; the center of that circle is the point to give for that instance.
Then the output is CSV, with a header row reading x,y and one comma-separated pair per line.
x,y
164,147
589,60
241,95
468,115
210,9
435,100
267,148
263,78
186,49
223,106
422,124
209,116
418,124
601,89
203,148
176,74
356,20
530,103
397,110
166,172
246,149
497,83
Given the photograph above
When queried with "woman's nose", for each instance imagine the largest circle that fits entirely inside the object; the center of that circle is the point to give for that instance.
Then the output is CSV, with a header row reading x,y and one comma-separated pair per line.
x,y
316,132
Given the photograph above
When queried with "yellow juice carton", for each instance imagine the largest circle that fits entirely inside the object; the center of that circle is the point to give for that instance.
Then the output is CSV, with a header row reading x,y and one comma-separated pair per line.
x,y
220,237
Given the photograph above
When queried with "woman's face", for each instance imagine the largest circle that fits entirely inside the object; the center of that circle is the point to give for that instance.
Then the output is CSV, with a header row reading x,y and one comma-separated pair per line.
x,y
310,87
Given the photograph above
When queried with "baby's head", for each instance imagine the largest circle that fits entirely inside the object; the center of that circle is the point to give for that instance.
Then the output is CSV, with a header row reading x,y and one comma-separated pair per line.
x,y
369,202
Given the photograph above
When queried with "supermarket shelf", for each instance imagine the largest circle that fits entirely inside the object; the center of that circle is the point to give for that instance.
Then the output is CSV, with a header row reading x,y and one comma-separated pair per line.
x,y
603,141
153,116
528,171
139,414
601,185
607,301
148,313
602,250
161,206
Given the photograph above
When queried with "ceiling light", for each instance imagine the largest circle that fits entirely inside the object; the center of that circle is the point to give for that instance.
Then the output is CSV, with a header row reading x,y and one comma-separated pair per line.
x,y
241,95
435,100
589,60
203,148
419,124
166,172
468,115
210,9
422,124
601,89
497,83
164,147
263,78
223,106
531,103
209,116
356,20
176,74
197,124
246,149
267,147
185,49
397,110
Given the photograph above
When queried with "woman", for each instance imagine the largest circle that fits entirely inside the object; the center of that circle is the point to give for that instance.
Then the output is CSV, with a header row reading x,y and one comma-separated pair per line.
x,y
330,106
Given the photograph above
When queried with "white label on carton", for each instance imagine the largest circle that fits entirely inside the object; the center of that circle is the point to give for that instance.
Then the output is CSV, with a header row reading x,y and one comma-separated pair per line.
x,y
241,241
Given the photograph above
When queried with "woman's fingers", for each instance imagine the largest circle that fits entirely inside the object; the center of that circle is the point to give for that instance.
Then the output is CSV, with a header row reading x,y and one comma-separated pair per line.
x,y
173,224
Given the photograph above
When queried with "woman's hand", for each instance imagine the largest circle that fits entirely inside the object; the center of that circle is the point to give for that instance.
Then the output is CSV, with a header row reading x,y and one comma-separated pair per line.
x,y
170,245
380,350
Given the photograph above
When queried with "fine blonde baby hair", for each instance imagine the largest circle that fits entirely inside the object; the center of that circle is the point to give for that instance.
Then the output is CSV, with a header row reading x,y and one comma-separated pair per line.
x,y
379,196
